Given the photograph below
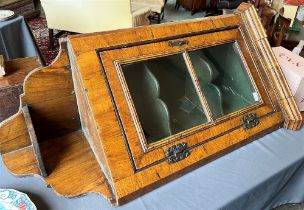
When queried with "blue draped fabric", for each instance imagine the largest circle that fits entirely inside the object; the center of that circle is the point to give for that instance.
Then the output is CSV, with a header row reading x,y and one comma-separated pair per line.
x,y
261,175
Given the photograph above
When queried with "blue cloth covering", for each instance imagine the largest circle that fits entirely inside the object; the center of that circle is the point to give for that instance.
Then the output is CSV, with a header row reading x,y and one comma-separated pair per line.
x,y
261,175
16,40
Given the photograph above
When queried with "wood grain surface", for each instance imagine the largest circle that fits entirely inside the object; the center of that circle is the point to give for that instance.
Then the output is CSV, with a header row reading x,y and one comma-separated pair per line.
x,y
11,84
52,145
71,165
17,70
14,134
49,94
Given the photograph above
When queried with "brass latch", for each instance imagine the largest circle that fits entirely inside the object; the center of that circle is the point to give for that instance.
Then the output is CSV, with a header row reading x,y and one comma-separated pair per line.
x,y
177,152
178,43
250,121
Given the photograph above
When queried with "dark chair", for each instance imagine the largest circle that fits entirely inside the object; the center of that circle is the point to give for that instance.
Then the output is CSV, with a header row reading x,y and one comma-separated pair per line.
x,y
216,7
228,4
191,5
266,13
279,30
267,16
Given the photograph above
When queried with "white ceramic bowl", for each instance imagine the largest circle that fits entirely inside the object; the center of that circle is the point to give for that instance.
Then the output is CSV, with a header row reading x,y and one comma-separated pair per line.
x,y
6,14
15,200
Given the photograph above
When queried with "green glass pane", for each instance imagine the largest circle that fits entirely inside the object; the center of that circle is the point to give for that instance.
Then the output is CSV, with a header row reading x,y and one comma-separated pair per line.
x,y
164,96
223,79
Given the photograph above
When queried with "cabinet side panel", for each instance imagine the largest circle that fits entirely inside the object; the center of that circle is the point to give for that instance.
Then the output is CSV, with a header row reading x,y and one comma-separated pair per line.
x,y
253,27
87,120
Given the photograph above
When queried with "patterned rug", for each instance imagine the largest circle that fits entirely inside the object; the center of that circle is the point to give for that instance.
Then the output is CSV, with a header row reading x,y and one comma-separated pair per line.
x,y
41,34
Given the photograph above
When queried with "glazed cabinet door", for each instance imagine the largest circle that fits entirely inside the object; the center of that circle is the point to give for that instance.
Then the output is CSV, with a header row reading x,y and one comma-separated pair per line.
x,y
188,97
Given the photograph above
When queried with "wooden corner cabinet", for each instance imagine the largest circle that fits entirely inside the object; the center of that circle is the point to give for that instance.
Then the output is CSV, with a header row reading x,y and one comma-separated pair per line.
x,y
122,112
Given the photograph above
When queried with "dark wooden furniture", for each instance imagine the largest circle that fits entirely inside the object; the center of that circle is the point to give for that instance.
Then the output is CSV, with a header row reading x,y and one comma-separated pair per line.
x,y
192,5
267,18
219,7
11,84
280,28
228,4
25,8
157,17
129,110
292,38
53,36
266,13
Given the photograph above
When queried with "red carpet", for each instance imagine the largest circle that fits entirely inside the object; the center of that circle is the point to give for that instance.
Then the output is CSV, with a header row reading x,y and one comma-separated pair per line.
x,y
41,34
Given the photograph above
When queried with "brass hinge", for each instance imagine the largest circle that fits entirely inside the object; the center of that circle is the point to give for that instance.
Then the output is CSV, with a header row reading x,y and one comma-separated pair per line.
x,y
250,121
177,152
